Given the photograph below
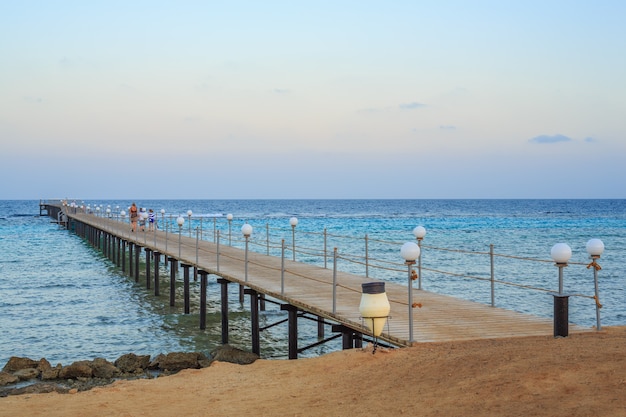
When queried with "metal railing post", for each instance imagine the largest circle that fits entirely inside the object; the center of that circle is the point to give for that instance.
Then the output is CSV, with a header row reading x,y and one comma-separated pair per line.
x,y
325,250
335,281
493,277
367,264
282,267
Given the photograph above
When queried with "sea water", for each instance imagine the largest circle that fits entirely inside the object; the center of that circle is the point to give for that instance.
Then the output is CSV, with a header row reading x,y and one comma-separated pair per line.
x,y
63,300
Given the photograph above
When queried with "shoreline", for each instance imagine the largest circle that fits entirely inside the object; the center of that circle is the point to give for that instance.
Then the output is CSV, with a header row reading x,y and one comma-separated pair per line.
x,y
581,375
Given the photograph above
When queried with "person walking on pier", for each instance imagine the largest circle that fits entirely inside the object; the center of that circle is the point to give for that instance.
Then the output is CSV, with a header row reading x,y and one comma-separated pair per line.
x,y
134,215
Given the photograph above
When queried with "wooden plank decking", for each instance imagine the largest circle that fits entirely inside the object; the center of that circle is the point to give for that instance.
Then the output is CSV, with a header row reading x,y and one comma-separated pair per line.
x,y
310,288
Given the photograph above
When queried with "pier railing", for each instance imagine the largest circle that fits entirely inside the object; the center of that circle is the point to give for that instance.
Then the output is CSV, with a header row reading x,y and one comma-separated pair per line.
x,y
482,276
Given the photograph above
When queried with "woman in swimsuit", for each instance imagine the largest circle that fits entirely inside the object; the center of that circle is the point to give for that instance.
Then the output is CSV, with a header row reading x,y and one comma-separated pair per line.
x,y
134,215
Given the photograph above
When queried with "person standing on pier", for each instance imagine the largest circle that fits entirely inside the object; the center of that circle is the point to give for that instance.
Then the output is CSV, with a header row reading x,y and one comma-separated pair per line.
x,y
151,220
134,214
142,219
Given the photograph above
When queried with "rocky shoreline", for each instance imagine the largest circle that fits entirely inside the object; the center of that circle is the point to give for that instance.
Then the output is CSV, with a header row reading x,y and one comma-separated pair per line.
x,y
27,376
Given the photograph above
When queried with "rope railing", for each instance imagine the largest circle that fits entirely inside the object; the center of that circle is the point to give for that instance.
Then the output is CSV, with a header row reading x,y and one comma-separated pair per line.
x,y
359,255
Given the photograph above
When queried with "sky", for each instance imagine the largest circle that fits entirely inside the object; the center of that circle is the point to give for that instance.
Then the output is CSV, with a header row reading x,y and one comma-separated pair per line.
x,y
312,99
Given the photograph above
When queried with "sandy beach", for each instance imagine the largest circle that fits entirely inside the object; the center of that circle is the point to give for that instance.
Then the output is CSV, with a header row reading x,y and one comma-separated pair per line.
x,y
581,375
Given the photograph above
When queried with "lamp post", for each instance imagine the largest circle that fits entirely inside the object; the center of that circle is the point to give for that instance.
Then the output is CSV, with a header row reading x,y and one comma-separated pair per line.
x,y
561,253
246,229
595,247
410,252
189,213
293,222
180,221
162,217
122,215
419,232
229,217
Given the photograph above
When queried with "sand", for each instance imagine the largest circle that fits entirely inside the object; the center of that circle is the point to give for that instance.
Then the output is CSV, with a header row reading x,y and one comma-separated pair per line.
x,y
581,375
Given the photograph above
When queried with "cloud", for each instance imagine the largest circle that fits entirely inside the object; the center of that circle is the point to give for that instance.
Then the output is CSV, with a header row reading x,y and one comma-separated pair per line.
x,y
411,106
590,140
369,110
33,100
447,127
550,139
404,106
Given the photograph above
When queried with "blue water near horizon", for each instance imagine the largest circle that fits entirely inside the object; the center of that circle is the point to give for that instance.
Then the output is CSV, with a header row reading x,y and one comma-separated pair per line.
x,y
63,300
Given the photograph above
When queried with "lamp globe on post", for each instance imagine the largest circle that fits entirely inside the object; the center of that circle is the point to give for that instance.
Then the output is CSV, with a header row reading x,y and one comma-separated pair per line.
x,y
293,222
595,247
162,217
189,213
419,232
229,217
246,229
561,254
410,252
180,221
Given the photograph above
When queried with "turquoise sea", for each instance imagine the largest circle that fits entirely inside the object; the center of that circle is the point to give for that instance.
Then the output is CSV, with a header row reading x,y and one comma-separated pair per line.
x,y
63,300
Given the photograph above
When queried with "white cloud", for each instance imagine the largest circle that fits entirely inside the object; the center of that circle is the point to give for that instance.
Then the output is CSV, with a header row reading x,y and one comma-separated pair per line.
x,y
550,139
411,106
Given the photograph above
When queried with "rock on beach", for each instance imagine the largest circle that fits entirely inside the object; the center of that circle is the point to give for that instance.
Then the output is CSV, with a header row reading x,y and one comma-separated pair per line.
x,y
85,374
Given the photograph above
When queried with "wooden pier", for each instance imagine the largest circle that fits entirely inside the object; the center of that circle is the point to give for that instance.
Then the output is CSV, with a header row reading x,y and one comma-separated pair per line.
x,y
331,297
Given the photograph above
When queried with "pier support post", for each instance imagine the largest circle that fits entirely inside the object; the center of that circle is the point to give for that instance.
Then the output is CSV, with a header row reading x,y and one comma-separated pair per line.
x,y
123,256
349,337
203,285
173,268
224,295
148,274
292,320
131,247
118,244
254,318
186,286
137,252
157,260
320,327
